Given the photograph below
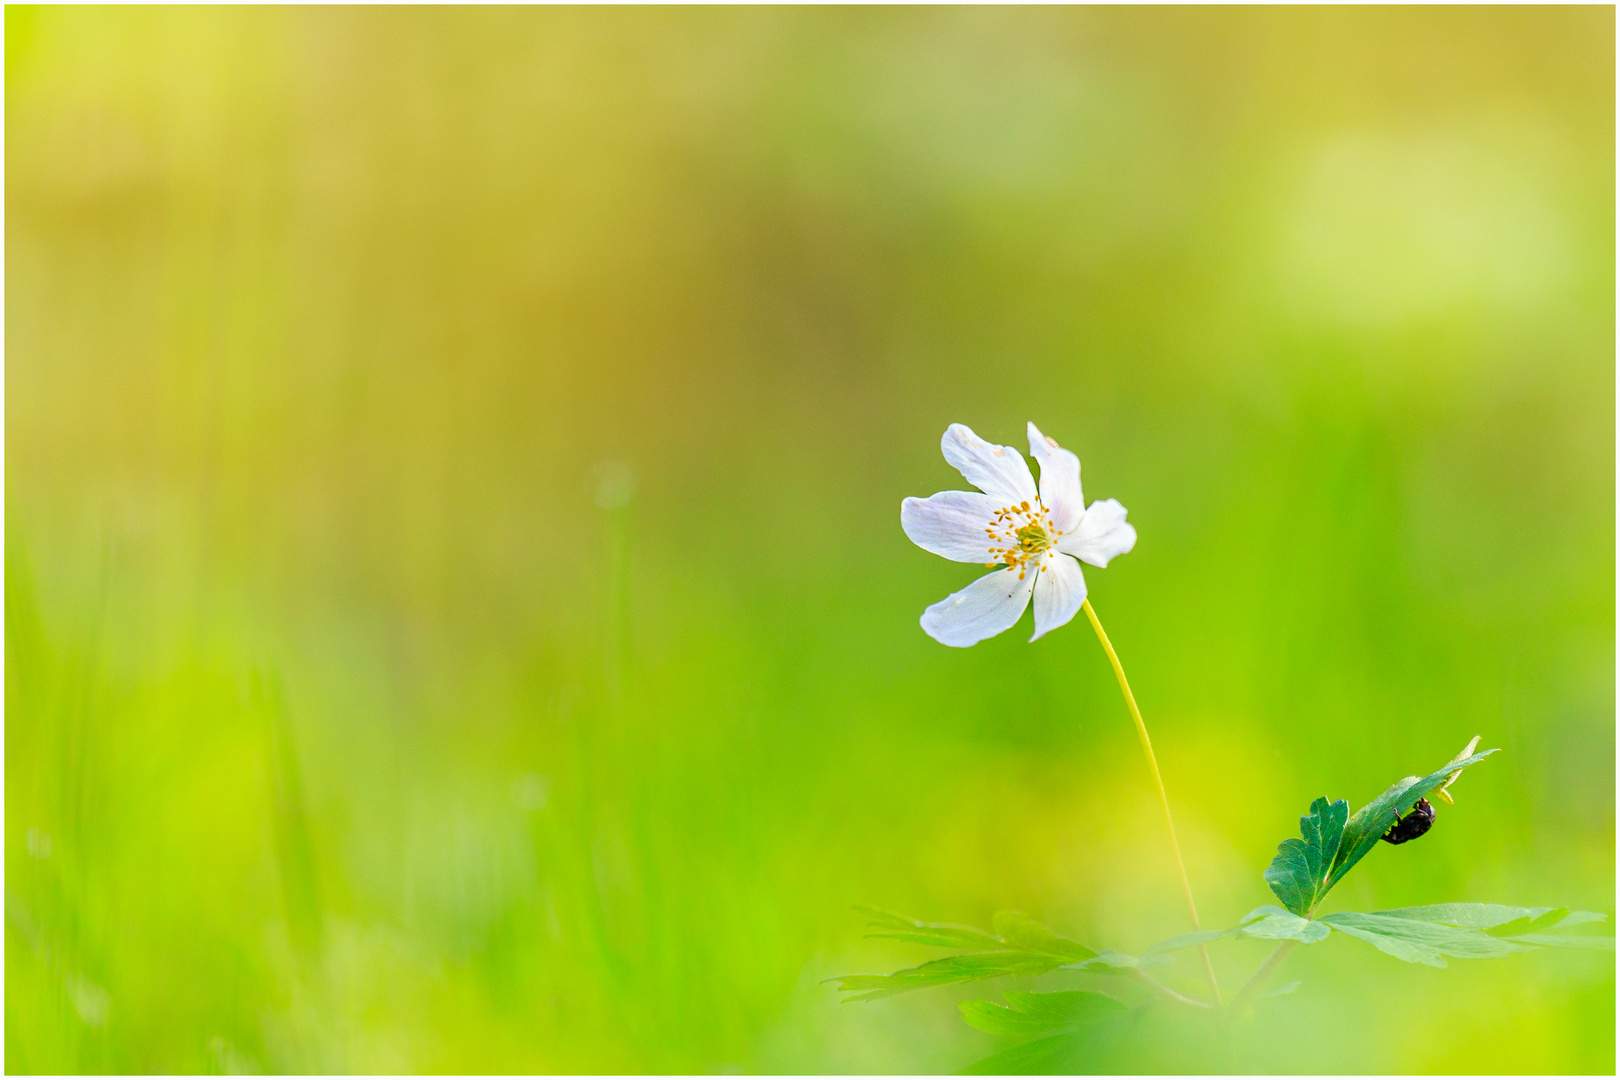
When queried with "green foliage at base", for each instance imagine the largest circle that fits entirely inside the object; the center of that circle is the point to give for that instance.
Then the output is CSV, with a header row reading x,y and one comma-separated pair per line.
x,y
1332,841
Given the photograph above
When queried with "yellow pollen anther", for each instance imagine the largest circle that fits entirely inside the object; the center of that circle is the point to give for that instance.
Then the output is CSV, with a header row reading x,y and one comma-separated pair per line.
x,y
1022,535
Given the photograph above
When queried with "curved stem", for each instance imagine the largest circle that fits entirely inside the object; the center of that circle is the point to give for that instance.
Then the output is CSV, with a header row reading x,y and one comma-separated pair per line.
x,y
1164,800
1252,987
1159,988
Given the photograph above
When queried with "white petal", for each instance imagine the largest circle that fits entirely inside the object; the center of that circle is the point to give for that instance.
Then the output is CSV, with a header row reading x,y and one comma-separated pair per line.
x,y
999,471
1102,534
983,609
951,524
1060,479
1059,592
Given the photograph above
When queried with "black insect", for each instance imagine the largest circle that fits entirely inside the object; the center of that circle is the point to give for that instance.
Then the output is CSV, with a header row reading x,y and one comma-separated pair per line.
x,y
1413,825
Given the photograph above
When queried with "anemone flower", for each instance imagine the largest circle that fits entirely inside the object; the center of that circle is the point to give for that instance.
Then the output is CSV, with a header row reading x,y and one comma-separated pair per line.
x,y
1038,536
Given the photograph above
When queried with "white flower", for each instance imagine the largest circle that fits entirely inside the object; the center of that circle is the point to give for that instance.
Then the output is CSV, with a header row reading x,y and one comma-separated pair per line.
x,y
1036,535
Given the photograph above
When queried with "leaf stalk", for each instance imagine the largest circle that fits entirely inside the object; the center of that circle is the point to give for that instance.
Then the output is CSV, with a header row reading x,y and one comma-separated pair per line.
x,y
1159,988
1252,987
1164,799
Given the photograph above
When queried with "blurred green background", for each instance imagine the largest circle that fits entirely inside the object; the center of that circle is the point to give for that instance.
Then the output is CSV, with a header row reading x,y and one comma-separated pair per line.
x,y
457,616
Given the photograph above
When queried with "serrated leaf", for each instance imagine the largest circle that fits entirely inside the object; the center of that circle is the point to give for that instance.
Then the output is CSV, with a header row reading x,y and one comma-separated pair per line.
x,y
1021,946
1298,874
1020,930
1497,920
1000,1020
1468,916
1367,825
1523,927
1049,1054
1040,1013
1086,1005
952,969
1419,942
889,924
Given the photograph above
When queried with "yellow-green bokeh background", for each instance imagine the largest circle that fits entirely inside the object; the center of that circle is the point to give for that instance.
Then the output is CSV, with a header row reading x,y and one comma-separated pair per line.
x,y
345,732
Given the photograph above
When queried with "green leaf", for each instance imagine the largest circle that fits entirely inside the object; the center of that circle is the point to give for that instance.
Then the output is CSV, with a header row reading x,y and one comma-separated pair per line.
x,y
1539,920
952,969
1271,923
1445,929
1423,935
1530,923
1569,941
1451,777
1469,916
1419,942
1576,918
1498,920
1367,825
1020,930
889,924
1051,1054
1286,988
1021,946
1108,958
1299,872
1040,1014
1083,1005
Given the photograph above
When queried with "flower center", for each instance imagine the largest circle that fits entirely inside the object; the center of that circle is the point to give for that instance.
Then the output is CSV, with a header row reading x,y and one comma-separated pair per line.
x,y
1021,536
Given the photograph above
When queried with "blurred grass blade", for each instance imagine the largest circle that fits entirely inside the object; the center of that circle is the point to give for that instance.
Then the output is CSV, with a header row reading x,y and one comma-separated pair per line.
x,y
289,819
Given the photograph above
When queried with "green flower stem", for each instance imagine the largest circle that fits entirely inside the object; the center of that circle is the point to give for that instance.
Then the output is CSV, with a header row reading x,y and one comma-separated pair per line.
x,y
1252,987
1164,800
